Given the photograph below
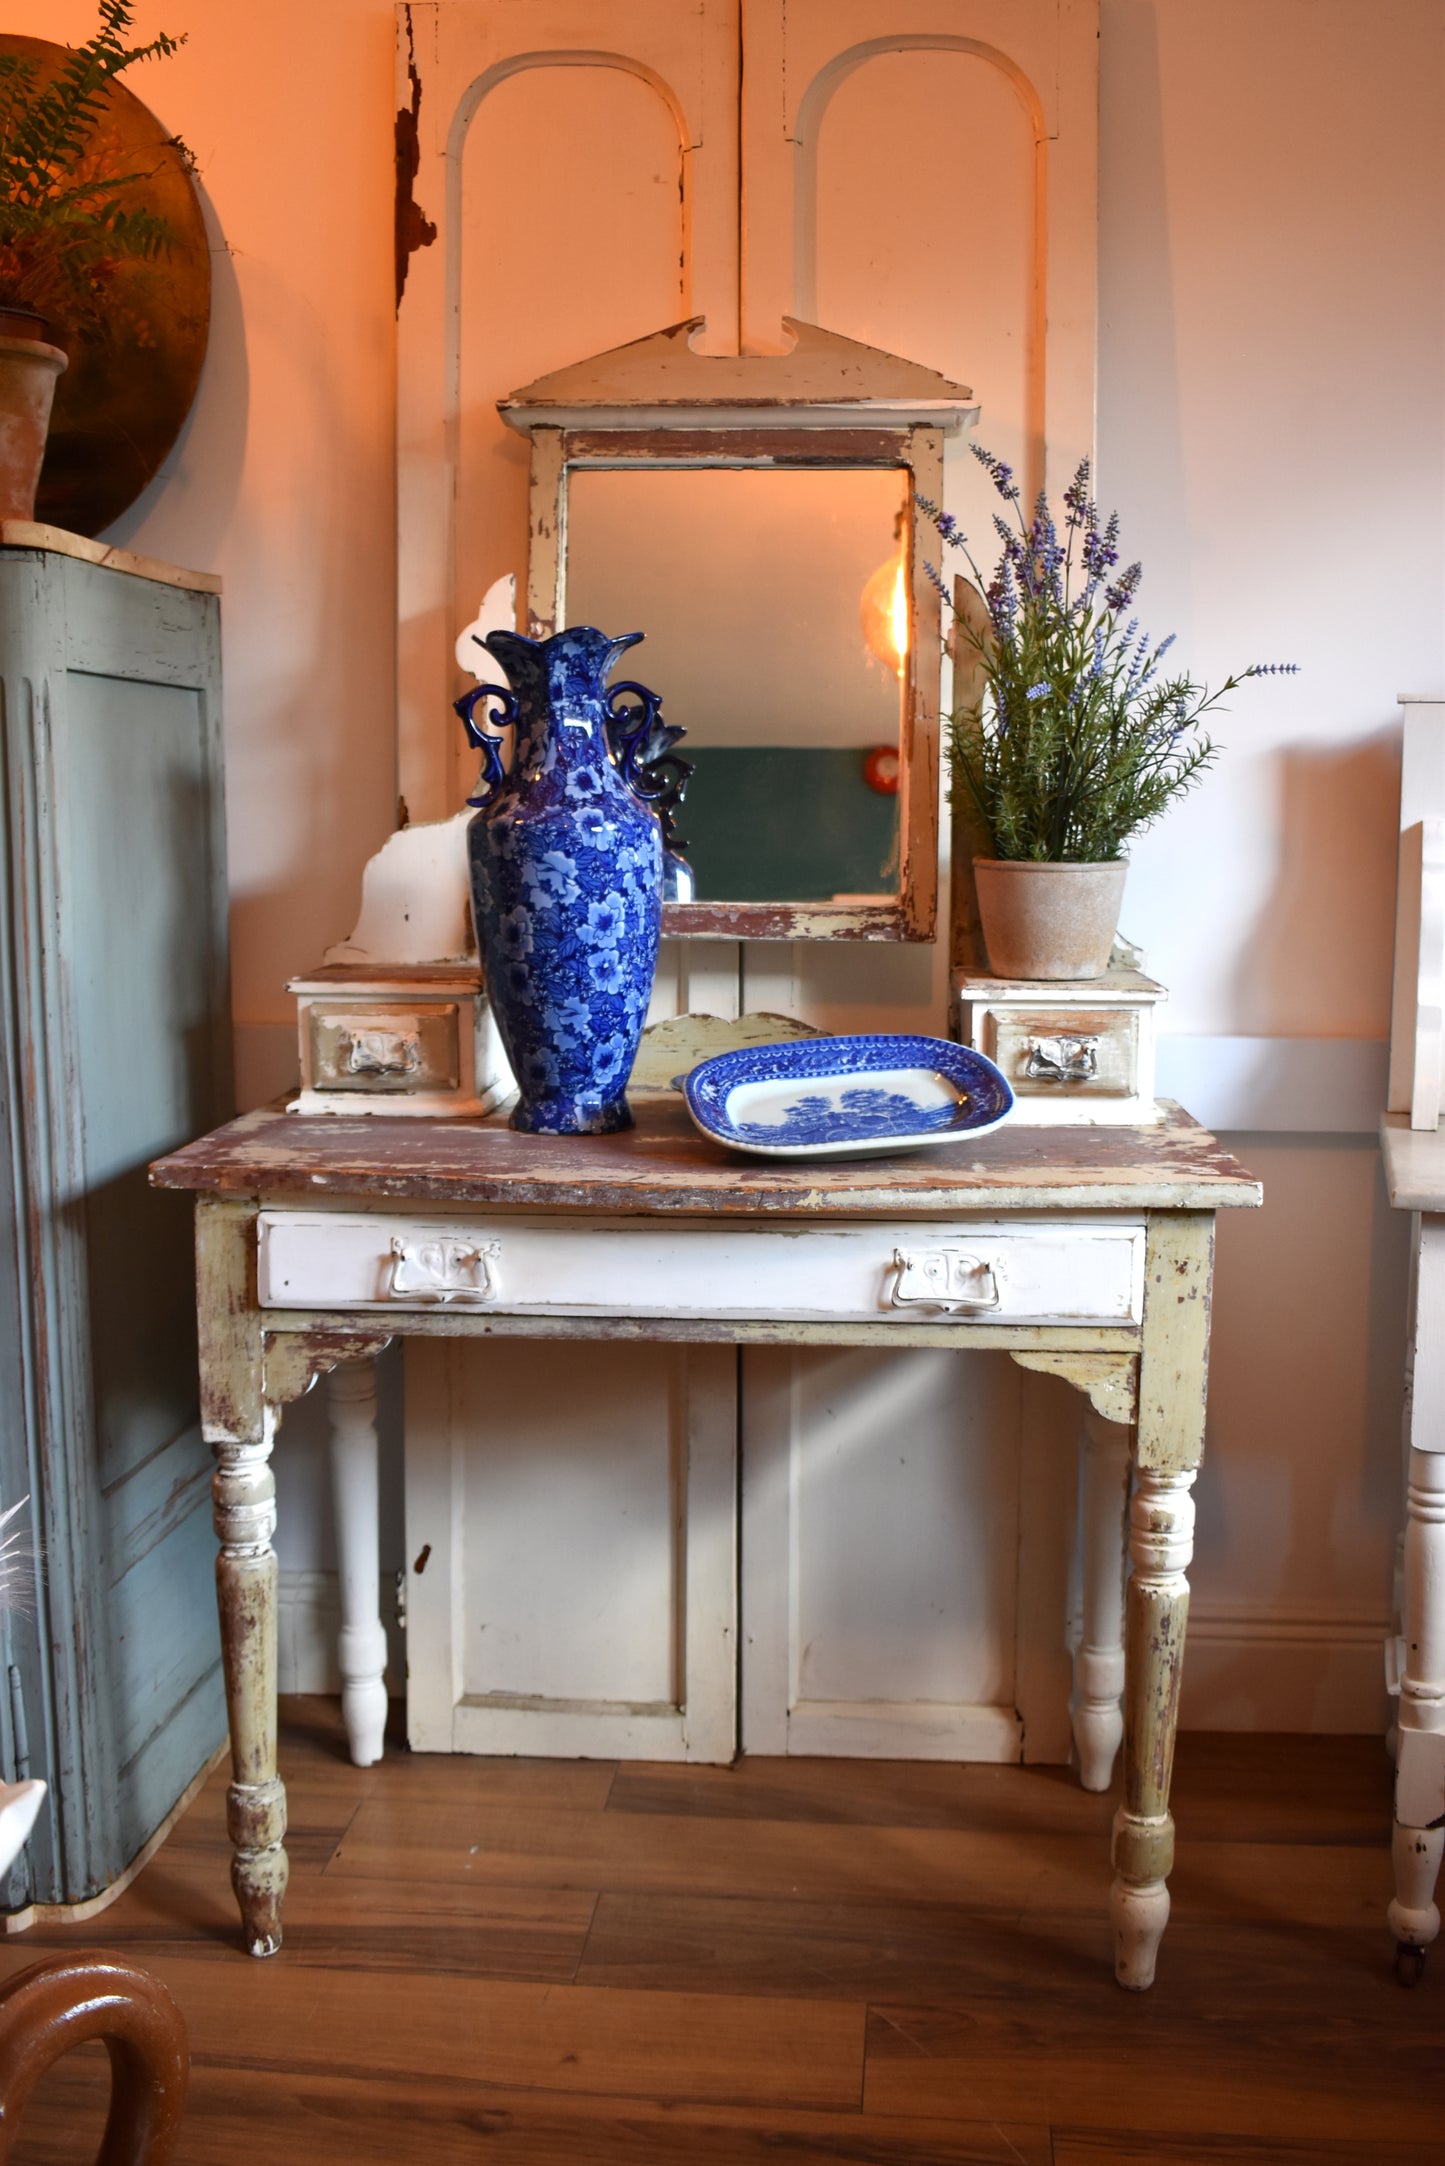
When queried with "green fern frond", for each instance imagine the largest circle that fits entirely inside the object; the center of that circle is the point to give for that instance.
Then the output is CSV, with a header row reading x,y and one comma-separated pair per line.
x,y
61,227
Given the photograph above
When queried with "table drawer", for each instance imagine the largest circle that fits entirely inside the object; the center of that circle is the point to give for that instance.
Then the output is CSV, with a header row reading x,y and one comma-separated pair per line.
x,y
1031,1272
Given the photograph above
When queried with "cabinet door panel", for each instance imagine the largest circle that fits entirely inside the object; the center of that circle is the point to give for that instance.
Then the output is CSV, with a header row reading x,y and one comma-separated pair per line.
x,y
570,1522
114,896
133,857
135,872
880,1540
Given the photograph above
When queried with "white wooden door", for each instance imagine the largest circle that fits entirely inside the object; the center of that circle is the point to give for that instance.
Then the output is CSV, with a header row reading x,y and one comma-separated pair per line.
x,y
921,177
571,1515
575,187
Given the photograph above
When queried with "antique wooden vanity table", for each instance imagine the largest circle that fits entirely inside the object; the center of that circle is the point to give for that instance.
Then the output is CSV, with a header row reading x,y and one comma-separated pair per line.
x,y
1085,1252
779,497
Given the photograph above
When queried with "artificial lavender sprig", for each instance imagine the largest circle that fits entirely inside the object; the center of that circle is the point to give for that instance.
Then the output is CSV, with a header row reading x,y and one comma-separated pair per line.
x,y
937,581
1119,596
1078,739
1003,476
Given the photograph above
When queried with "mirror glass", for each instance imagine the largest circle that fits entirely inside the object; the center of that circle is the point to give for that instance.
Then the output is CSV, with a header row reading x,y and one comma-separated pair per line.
x,y
774,604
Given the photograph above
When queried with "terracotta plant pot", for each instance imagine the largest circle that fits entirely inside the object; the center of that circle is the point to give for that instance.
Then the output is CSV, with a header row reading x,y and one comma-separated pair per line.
x,y
1048,921
28,370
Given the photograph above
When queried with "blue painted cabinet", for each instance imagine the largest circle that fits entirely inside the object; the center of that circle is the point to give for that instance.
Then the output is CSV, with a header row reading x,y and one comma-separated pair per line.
x,y
113,995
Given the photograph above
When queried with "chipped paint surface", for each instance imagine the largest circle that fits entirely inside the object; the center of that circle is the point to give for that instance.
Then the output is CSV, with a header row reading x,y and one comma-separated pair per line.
x,y
295,1359
413,228
1175,1175
1108,1381
663,1165
1178,1282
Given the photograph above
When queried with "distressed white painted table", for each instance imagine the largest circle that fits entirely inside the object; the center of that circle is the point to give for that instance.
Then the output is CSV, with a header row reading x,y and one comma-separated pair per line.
x,y
1415,1179
1084,1252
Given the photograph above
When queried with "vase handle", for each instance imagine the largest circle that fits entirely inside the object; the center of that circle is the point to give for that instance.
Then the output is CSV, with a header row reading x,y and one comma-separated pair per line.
x,y
638,737
493,774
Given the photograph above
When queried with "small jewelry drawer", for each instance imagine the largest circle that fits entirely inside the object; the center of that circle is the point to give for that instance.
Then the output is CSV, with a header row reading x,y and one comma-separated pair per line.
x,y
907,1270
1078,1052
1045,1051
420,1041
384,1047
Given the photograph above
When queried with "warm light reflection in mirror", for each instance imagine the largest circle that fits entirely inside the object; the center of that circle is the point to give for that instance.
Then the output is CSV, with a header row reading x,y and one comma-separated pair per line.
x,y
883,612
746,581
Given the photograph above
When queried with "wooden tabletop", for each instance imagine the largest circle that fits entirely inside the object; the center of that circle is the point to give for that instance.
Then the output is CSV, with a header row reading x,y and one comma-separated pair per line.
x,y
1414,1164
663,1164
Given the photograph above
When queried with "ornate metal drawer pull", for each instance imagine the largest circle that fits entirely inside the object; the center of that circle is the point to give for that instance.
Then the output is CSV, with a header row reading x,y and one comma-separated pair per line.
x,y
1062,1060
441,1271
380,1052
943,1278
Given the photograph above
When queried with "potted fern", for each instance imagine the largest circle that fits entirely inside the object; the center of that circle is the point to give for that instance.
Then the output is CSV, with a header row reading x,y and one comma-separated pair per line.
x,y
1075,735
65,224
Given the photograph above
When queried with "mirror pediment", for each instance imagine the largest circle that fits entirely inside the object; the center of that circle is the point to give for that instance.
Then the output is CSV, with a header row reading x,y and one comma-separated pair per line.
x,y
826,379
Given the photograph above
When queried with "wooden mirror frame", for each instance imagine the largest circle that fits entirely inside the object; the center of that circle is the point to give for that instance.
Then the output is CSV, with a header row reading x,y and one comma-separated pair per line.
x,y
829,403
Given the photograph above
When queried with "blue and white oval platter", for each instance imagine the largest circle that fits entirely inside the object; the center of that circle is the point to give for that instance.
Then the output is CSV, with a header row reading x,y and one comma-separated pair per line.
x,y
856,1097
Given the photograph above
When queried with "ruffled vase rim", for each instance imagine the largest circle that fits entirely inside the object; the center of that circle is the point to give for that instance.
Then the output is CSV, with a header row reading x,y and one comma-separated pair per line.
x,y
500,642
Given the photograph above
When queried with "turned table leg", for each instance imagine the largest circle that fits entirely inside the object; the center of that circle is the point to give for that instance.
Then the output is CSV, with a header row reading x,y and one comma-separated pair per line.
x,y
1099,1658
237,1425
1168,1446
1413,1916
1161,1543
351,1395
244,1492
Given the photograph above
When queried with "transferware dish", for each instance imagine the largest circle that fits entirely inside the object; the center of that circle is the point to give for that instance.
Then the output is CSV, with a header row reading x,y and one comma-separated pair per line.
x,y
862,1096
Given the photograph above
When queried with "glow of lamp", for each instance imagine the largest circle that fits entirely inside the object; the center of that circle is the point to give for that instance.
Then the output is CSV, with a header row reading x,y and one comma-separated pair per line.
x,y
884,614
898,624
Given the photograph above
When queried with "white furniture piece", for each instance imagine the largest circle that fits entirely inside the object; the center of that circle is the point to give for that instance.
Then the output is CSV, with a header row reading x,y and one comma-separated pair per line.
x,y
416,1039
1414,1154
731,156
1087,1253
1077,1051
1415,1179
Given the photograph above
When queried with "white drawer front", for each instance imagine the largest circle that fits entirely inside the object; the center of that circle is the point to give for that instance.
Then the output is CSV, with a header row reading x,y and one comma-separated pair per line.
x,y
905,1270
1070,1052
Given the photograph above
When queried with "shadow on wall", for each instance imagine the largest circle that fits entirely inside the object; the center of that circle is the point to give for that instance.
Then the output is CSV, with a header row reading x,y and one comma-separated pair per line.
x,y
1319,961
194,496
1302,1496
1140,430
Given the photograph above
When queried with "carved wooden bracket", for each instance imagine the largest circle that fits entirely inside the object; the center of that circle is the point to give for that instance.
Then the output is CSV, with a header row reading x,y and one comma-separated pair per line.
x,y
1110,1382
295,1359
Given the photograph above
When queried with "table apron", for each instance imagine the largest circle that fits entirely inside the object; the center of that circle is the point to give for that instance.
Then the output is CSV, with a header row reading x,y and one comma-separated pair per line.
x,y
332,1328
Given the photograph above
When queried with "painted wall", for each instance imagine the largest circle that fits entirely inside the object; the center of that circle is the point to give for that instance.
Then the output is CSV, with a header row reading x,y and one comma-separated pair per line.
x,y
283,479
1270,425
1272,350
1272,330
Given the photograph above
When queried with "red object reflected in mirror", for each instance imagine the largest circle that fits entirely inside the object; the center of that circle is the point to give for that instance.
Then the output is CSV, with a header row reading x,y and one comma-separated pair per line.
x,y
880,770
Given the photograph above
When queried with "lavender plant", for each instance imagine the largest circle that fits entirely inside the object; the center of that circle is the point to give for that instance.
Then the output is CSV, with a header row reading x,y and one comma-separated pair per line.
x,y
1080,737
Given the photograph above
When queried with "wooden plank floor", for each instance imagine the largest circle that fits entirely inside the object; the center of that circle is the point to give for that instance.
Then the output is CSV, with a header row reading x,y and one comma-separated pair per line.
x,y
561,1963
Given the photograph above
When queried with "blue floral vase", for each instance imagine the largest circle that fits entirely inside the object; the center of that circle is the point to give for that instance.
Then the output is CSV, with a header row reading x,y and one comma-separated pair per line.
x,y
566,875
